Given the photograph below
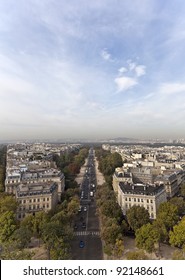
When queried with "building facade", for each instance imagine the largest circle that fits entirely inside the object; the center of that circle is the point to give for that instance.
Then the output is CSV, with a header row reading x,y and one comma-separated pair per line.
x,y
36,197
148,196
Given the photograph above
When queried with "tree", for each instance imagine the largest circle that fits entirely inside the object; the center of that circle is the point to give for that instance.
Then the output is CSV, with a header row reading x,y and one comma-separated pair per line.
x,y
183,190
167,214
137,216
178,255
161,229
118,248
111,231
7,203
180,203
147,237
73,206
137,255
124,226
21,237
111,209
7,225
56,238
177,236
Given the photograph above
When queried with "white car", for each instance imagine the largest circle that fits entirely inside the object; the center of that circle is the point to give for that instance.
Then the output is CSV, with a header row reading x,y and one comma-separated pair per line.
x,y
85,208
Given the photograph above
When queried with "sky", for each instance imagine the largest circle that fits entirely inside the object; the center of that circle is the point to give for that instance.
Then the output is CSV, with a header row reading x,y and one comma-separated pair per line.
x,y
92,69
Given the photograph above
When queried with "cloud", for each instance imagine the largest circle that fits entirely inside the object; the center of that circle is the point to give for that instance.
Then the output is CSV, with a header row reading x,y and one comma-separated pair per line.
x,y
131,65
124,83
105,54
140,70
122,70
172,88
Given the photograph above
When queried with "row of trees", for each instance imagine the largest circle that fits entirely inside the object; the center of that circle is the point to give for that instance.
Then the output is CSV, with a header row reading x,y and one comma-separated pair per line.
x,y
111,217
70,163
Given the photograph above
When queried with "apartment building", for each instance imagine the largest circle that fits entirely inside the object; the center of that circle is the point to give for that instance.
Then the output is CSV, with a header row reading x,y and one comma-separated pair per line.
x,y
170,181
145,175
121,175
36,197
13,179
148,196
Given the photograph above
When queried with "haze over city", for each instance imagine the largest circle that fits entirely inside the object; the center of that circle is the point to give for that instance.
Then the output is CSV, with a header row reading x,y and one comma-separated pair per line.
x,y
92,69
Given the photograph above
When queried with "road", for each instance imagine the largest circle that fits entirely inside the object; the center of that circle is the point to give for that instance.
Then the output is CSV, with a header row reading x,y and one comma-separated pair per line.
x,y
86,224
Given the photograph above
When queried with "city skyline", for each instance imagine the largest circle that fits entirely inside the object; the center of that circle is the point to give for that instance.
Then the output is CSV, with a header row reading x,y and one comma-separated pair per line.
x,y
92,70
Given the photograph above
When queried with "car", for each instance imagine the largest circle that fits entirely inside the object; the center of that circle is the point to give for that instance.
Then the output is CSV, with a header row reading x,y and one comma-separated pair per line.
x,y
80,209
83,225
85,208
81,244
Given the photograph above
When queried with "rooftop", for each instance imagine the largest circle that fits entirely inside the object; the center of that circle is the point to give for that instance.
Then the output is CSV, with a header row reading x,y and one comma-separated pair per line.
x,y
141,188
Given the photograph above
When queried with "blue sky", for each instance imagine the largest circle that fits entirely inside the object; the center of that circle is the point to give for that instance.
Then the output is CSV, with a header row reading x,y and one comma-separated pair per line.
x,y
92,69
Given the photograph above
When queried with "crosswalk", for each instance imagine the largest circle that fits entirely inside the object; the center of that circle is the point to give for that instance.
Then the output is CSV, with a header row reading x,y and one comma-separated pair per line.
x,y
83,233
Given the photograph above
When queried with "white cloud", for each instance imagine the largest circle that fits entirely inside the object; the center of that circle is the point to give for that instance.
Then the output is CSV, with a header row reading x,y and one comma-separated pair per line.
x,y
105,54
124,83
131,65
172,88
140,70
122,70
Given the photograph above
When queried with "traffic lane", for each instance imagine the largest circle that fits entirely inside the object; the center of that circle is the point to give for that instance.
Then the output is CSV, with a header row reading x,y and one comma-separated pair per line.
x,y
93,219
92,249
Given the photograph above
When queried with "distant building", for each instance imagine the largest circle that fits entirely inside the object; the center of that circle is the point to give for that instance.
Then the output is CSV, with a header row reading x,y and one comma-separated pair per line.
x,y
145,175
121,176
35,176
148,196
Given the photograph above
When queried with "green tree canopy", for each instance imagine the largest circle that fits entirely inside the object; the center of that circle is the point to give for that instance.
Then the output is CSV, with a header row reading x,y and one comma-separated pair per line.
x,y
183,190
137,255
177,236
180,203
7,203
147,237
167,214
137,216
7,225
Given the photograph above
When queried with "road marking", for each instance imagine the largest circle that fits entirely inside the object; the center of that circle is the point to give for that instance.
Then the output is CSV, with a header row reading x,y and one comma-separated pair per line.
x,y
82,233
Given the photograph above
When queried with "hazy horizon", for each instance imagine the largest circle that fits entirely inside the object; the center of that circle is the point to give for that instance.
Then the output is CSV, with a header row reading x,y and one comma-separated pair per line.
x,y
92,69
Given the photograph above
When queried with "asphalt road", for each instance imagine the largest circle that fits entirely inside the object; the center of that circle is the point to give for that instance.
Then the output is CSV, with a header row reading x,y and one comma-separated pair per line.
x,y
86,223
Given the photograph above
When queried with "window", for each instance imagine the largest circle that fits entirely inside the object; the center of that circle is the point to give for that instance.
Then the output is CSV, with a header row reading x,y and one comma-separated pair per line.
x,y
47,198
147,200
151,201
38,200
44,199
125,198
138,199
134,199
129,199
141,200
